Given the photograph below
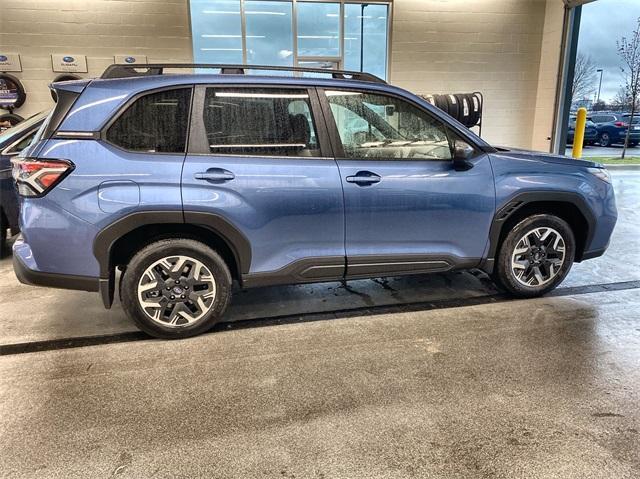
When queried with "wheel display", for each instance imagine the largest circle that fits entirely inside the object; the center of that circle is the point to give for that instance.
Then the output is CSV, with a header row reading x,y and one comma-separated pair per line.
x,y
535,256
605,139
12,94
176,288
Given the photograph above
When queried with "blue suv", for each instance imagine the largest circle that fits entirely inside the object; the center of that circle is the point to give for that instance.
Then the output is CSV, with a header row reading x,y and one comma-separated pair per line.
x,y
180,184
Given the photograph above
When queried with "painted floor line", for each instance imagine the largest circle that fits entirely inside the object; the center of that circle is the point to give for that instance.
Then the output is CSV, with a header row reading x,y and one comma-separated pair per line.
x,y
78,342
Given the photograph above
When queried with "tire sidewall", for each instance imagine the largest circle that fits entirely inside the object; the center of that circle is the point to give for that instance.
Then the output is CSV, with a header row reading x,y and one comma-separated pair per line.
x,y
504,272
174,247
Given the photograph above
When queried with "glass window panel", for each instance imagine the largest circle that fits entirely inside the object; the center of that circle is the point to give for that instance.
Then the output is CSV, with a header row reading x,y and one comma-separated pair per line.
x,y
216,31
365,38
318,29
264,122
382,127
154,123
269,33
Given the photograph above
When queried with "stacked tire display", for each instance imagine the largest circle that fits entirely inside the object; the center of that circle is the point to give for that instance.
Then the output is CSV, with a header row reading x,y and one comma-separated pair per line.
x,y
464,107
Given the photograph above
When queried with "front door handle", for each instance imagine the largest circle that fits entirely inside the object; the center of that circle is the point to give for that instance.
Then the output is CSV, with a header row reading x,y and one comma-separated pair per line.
x,y
215,174
364,178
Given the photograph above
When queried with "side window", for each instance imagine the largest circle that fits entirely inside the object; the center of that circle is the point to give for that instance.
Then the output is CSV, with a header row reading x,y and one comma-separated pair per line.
x,y
23,143
154,123
383,127
263,122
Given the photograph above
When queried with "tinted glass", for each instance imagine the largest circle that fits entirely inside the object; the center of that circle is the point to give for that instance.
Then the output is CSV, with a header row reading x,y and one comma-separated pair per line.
x,y
217,31
365,38
265,122
318,29
383,127
156,122
26,141
269,33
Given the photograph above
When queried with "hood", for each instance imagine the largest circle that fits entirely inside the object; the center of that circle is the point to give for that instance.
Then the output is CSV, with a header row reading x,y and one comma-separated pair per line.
x,y
516,153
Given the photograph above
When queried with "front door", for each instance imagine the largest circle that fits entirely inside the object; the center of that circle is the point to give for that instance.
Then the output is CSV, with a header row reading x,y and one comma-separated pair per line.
x,y
407,209
256,161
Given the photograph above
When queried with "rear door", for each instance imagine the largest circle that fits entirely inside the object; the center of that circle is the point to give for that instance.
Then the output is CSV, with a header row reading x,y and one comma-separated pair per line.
x,y
407,209
260,162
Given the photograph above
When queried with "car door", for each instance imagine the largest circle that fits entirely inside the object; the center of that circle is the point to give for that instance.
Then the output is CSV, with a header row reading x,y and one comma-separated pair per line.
x,y
407,208
260,167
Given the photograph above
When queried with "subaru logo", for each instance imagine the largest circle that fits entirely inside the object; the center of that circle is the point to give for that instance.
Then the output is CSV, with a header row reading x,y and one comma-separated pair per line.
x,y
68,59
130,60
3,58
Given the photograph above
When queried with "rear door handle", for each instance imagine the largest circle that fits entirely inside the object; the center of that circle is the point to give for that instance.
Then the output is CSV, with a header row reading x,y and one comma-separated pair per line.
x,y
364,178
215,174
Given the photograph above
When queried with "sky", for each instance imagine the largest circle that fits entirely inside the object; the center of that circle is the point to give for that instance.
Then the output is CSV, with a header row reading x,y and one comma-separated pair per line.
x,y
603,22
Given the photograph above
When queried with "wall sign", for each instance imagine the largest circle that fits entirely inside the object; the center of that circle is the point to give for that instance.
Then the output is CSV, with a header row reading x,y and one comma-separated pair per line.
x,y
10,62
130,59
69,63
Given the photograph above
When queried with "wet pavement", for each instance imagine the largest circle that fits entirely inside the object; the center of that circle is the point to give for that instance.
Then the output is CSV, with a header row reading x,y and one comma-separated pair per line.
x,y
456,381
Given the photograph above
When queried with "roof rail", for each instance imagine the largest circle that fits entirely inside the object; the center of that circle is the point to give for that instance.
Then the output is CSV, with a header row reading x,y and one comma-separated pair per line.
x,y
127,71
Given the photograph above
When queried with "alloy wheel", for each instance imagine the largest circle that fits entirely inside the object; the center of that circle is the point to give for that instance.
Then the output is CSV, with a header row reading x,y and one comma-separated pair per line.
x,y
538,257
176,291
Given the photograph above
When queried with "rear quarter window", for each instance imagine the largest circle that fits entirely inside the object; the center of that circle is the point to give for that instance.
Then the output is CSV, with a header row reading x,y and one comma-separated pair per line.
x,y
154,123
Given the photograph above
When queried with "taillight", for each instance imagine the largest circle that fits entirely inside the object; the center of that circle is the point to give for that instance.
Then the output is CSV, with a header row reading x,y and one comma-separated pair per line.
x,y
35,177
621,124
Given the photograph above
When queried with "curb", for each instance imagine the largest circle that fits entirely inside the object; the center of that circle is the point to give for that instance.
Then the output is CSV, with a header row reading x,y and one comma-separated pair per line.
x,y
610,166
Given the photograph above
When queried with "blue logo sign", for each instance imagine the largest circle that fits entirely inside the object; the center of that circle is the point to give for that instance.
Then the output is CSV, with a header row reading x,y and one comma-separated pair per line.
x,y
68,59
3,58
130,60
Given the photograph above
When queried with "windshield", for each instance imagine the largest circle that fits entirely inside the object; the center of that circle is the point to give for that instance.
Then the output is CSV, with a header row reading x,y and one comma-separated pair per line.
x,y
22,126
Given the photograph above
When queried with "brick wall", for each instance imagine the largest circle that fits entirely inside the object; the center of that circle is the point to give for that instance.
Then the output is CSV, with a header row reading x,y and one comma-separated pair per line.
x,y
98,29
488,45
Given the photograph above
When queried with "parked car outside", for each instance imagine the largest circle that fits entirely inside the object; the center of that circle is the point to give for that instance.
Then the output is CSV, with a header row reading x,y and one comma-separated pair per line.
x,y
612,129
12,142
186,183
590,131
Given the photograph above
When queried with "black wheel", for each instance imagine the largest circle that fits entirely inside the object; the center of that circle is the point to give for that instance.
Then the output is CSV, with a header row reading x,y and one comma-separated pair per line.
x,y
175,288
453,107
605,139
535,256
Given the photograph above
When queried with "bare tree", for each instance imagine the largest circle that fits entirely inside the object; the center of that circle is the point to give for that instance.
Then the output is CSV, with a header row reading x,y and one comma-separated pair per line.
x,y
583,78
629,52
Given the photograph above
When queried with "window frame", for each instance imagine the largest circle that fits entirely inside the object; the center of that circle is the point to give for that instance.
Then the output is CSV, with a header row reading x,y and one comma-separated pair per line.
x,y
102,132
198,145
450,130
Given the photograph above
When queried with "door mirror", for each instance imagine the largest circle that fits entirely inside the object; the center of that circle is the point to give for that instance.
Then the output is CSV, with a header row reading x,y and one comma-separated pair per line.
x,y
462,153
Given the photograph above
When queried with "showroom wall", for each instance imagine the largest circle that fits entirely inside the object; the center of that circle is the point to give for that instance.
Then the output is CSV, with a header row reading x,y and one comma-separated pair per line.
x,y
508,49
98,29
488,45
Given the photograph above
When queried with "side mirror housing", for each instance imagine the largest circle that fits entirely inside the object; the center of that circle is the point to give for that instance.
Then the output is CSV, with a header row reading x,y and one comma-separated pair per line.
x,y
462,153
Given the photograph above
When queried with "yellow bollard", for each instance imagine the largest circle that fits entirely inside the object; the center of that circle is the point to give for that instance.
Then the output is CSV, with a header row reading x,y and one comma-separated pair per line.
x,y
578,136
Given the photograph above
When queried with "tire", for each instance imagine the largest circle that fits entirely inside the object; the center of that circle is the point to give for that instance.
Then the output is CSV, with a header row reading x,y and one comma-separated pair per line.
x,y
441,102
605,139
9,82
139,274
12,118
453,106
464,109
505,273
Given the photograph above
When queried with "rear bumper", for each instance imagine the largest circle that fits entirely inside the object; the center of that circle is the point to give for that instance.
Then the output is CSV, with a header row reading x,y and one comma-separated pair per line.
x,y
32,276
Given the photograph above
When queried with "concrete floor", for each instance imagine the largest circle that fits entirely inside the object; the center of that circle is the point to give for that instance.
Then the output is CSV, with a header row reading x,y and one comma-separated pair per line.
x,y
531,388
